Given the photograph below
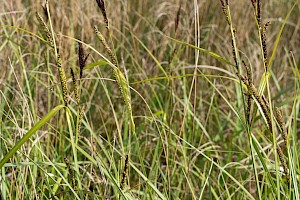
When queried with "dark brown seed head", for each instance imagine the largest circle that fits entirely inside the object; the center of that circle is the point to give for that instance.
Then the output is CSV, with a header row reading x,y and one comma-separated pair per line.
x,y
81,58
248,82
253,3
263,104
101,5
264,43
249,74
224,9
75,85
45,12
267,24
125,171
258,13
281,124
177,18
283,162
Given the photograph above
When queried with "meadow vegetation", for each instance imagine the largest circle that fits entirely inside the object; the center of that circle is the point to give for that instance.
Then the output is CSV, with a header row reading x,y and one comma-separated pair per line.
x,y
149,99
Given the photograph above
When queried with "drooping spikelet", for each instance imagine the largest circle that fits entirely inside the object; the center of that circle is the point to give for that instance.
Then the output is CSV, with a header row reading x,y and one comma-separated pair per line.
x,y
101,5
262,104
80,112
258,14
224,8
248,82
63,80
125,172
265,101
233,50
45,12
264,43
281,124
120,78
283,162
253,3
75,86
106,46
45,29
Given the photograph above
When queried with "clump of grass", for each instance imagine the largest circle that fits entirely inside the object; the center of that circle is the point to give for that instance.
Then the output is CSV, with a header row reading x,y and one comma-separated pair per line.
x,y
190,142
62,74
251,89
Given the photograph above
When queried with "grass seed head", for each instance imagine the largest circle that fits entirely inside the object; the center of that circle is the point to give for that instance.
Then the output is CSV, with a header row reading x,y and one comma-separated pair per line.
x,y
262,104
224,6
82,58
106,46
248,81
45,29
281,124
283,162
80,112
125,172
264,43
45,11
253,3
101,5
258,15
63,80
75,85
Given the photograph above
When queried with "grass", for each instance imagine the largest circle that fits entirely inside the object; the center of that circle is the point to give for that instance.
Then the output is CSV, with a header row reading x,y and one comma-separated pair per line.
x,y
149,99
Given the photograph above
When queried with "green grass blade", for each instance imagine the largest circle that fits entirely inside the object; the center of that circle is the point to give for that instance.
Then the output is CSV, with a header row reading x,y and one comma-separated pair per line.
x,y
218,57
279,36
26,137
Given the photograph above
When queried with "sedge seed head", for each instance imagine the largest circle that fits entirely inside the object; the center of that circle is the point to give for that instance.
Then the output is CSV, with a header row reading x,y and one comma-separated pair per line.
x,y
101,5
